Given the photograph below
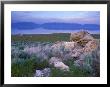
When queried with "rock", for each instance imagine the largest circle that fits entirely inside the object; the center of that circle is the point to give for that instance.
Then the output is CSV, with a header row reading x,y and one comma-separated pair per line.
x,y
67,56
81,37
90,61
77,36
77,52
87,37
43,73
90,46
57,62
38,73
54,59
69,45
61,66
46,72
59,49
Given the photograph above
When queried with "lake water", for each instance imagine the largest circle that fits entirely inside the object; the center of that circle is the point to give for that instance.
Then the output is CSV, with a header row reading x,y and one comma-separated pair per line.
x,y
49,31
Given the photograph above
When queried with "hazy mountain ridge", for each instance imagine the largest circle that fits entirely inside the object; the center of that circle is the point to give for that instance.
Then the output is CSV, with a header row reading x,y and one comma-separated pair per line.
x,y
54,25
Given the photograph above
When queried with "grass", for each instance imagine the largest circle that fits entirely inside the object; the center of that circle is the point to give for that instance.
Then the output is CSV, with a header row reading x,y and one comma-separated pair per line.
x,y
73,72
46,37
23,68
27,67
42,37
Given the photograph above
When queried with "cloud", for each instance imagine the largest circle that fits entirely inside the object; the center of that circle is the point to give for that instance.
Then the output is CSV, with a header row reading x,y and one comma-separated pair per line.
x,y
55,16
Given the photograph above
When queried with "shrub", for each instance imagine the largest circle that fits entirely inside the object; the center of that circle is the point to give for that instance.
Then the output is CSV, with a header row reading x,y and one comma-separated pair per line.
x,y
74,71
42,64
21,47
26,67
23,55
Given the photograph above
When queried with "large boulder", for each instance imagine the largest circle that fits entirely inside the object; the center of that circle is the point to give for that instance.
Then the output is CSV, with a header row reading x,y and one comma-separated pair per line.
x,y
82,37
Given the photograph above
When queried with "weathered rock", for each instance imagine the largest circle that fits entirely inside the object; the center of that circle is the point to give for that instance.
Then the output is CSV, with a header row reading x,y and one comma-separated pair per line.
x,y
77,36
90,61
43,73
46,72
38,73
61,66
59,49
77,52
69,45
90,46
57,62
54,59
81,37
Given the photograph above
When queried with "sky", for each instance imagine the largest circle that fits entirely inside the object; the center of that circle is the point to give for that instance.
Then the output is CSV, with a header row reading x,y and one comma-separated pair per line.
x,y
41,17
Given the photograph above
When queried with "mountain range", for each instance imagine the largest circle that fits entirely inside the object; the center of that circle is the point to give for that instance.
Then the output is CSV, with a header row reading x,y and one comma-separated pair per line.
x,y
54,26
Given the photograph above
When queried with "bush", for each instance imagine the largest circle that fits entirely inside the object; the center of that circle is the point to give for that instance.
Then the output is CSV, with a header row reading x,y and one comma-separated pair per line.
x,y
21,47
74,71
42,64
23,55
26,67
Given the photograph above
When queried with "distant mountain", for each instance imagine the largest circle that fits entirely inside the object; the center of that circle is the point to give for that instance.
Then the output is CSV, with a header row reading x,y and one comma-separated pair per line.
x,y
64,26
24,25
91,26
55,26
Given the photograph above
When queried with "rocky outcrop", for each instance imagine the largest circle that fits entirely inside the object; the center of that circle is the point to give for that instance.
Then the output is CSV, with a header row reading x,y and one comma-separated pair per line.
x,y
86,52
81,37
90,46
69,45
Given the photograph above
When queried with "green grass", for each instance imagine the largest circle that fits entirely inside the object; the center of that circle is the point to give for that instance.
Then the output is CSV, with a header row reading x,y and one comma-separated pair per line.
x,y
73,72
26,67
42,37
46,37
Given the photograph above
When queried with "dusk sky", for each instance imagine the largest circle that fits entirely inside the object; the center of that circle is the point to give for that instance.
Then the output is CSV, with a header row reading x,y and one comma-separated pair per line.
x,y
41,17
